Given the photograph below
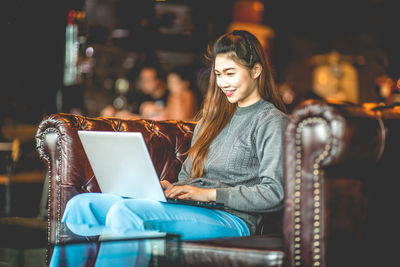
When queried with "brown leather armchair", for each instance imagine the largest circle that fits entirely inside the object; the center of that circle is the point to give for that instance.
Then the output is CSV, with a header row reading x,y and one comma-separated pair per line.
x,y
339,171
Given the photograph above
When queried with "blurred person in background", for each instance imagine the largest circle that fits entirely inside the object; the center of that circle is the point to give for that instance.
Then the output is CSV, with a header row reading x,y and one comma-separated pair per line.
x,y
181,101
152,91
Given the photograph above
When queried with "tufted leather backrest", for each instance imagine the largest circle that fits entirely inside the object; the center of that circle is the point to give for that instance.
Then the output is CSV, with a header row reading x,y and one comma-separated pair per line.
x,y
70,173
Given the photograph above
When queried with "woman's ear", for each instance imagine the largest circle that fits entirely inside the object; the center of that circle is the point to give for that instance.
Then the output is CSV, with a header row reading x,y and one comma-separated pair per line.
x,y
256,71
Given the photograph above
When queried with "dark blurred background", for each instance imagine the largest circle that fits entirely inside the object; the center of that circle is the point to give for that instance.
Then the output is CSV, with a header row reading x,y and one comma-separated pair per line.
x,y
34,38
115,35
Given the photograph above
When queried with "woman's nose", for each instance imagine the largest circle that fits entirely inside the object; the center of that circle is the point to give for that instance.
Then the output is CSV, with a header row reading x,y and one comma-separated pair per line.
x,y
223,82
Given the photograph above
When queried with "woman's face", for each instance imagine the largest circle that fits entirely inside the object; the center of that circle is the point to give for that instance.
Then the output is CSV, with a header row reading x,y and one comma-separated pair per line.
x,y
236,81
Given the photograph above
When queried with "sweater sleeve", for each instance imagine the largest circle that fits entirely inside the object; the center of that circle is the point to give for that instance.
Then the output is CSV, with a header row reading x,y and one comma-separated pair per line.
x,y
269,193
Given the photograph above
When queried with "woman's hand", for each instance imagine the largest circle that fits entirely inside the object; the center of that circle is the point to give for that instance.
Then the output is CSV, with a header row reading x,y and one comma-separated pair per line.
x,y
190,192
165,184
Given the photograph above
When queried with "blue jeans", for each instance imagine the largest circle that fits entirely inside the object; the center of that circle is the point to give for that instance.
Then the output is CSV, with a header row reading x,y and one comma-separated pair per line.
x,y
92,214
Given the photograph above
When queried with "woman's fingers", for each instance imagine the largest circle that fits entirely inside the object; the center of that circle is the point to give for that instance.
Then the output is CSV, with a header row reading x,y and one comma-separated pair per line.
x,y
166,185
191,192
176,191
185,196
171,192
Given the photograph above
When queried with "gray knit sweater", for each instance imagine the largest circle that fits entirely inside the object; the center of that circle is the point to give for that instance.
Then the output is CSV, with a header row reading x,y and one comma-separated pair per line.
x,y
245,163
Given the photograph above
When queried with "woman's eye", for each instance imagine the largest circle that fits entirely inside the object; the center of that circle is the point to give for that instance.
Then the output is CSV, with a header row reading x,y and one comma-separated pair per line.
x,y
230,74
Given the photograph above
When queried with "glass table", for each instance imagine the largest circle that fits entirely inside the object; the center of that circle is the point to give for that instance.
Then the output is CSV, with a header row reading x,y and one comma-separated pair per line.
x,y
150,248
133,249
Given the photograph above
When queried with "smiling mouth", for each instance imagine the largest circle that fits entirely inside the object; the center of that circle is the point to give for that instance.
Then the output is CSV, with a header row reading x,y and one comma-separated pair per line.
x,y
229,93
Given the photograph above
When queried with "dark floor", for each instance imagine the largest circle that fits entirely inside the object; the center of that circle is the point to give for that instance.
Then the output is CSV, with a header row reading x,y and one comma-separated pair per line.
x,y
23,241
29,257
23,234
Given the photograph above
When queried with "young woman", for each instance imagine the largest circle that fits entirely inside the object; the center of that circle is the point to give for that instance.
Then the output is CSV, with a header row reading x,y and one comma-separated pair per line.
x,y
236,158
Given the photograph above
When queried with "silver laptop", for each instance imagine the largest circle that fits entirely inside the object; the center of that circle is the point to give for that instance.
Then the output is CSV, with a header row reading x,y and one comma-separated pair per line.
x,y
123,166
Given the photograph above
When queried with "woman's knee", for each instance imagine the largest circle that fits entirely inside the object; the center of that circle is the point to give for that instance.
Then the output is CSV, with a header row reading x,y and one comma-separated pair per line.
x,y
89,204
123,218
81,199
76,204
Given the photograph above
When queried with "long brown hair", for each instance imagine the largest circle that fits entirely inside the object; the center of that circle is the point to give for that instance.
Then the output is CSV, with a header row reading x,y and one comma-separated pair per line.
x,y
245,49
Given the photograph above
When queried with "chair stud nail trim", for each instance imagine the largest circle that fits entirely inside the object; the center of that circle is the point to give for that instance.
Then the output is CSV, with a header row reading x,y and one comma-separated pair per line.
x,y
47,158
317,191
